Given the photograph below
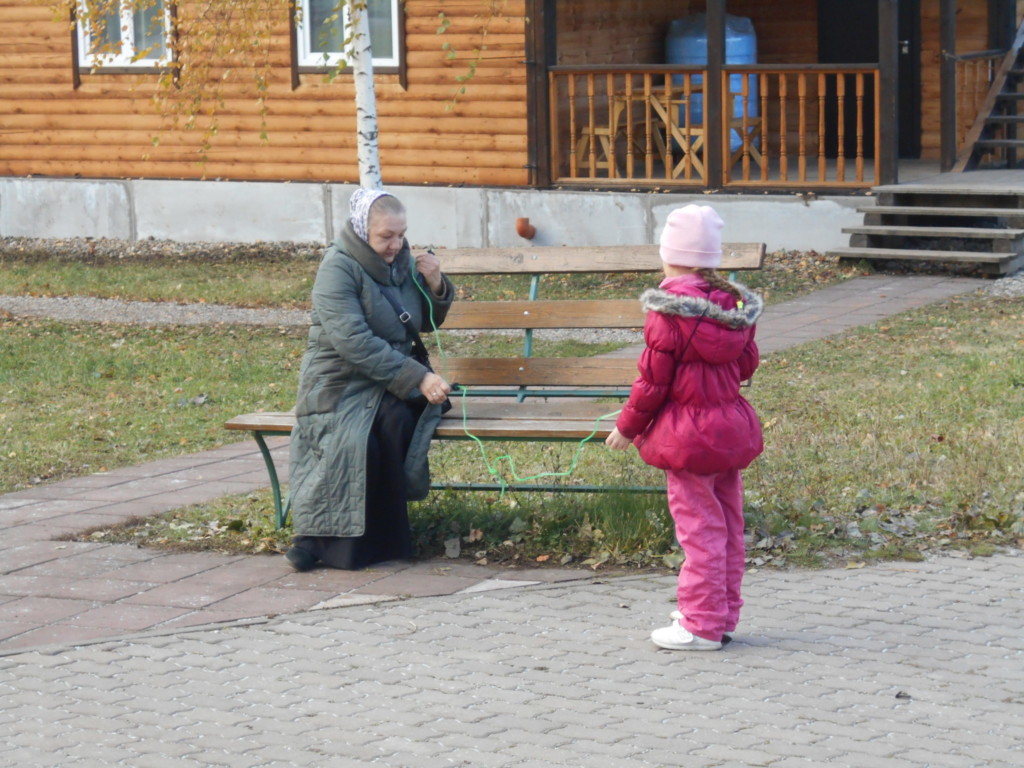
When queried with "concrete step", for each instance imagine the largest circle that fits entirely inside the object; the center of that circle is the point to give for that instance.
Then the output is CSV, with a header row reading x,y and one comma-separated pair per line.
x,y
914,210
963,233
1000,143
944,190
992,263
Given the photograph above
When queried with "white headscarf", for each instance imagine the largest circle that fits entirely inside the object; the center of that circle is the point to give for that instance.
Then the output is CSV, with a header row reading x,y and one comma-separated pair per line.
x,y
359,209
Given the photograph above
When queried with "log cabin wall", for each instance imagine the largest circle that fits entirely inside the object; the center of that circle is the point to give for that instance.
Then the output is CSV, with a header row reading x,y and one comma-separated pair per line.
x,y
615,31
786,34
105,127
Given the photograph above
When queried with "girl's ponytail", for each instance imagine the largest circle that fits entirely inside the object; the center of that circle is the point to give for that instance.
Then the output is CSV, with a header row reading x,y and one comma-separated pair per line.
x,y
715,280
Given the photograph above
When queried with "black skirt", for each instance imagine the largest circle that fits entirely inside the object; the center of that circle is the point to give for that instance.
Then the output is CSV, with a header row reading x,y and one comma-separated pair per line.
x,y
387,535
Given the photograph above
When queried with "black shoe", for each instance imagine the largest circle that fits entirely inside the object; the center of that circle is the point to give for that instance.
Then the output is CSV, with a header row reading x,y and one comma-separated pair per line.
x,y
301,559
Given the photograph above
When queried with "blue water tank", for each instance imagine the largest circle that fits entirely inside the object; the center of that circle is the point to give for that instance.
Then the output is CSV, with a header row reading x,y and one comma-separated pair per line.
x,y
687,43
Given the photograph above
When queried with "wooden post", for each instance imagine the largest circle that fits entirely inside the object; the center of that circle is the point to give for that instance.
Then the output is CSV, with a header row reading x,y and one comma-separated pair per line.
x,y
293,44
714,147
947,83
888,105
1001,23
76,74
540,52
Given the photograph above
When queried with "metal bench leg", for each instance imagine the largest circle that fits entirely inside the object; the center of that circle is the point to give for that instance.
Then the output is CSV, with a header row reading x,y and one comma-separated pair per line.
x,y
280,509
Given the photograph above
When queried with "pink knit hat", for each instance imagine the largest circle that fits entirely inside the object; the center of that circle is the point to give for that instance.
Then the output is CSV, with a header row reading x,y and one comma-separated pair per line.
x,y
692,237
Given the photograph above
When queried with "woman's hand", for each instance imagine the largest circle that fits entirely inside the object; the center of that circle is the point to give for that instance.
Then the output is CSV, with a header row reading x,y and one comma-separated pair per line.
x,y
434,388
428,265
617,441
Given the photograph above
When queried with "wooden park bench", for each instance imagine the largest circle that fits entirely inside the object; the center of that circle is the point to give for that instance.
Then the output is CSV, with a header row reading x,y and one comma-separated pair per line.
x,y
528,398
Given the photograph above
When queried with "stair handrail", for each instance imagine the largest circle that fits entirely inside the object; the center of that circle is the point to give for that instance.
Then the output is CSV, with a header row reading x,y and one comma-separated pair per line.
x,y
985,110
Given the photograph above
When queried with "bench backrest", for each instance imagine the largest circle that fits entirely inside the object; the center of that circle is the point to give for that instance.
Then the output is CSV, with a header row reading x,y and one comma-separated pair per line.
x,y
566,375
565,313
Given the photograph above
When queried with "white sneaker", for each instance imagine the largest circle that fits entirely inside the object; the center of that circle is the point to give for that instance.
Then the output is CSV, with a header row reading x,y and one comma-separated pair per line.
x,y
675,638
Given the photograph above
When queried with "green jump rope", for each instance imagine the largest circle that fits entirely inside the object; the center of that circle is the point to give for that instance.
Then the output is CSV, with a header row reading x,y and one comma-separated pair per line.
x,y
493,466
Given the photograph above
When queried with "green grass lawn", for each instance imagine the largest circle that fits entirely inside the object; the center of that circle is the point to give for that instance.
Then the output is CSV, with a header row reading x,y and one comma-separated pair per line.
x,y
80,398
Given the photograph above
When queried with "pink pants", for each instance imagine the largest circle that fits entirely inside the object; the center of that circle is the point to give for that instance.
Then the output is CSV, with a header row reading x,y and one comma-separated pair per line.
x,y
708,513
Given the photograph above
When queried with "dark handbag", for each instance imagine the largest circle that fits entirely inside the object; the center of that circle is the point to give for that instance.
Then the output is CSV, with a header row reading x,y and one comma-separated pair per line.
x,y
419,349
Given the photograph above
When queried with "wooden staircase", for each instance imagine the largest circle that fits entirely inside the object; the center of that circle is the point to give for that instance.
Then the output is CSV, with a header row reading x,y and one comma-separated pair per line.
x,y
961,220
973,220
996,139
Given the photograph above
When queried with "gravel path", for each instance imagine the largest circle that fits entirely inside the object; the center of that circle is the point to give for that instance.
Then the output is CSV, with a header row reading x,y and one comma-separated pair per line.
x,y
88,309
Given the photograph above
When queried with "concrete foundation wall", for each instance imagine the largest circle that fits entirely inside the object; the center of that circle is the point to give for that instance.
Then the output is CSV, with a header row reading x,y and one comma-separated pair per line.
x,y
220,211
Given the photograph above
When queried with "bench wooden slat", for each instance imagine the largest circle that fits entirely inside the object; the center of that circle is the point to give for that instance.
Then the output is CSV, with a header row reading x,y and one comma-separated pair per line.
x,y
554,421
518,315
551,421
573,372
561,260
525,429
555,408
271,421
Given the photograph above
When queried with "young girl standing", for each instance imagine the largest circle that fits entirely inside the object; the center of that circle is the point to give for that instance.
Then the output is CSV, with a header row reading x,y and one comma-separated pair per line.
x,y
685,415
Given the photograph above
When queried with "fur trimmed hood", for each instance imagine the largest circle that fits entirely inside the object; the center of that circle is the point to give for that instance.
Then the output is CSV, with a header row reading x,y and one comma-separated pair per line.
x,y
685,305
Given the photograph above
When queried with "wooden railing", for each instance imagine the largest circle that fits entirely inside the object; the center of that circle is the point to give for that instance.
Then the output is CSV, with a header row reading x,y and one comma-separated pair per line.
x,y
627,124
782,126
804,126
974,75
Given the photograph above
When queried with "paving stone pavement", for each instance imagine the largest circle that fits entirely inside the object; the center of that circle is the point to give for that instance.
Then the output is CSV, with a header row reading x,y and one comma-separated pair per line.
x,y
894,665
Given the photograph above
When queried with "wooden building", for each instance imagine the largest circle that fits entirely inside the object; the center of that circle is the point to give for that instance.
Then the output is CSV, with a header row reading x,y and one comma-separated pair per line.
x,y
568,93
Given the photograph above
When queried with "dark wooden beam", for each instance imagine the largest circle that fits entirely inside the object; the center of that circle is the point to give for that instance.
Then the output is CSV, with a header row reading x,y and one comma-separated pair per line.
x,y
540,54
887,145
1002,21
714,144
947,83
76,73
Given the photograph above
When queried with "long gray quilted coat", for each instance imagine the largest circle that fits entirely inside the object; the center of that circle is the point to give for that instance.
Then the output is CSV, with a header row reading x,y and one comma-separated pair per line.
x,y
357,349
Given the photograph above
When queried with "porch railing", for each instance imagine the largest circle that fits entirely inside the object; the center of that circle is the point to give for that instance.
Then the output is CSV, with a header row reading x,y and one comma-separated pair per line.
x,y
795,126
974,75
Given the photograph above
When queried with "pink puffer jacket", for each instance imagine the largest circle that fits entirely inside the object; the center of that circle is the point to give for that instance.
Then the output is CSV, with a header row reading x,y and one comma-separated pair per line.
x,y
684,409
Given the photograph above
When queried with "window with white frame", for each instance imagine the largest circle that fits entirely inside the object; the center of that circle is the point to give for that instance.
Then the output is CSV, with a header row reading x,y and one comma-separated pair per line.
x,y
118,33
322,32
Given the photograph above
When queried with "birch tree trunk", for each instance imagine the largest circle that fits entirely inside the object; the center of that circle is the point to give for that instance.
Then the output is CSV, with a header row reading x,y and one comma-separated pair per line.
x,y
366,98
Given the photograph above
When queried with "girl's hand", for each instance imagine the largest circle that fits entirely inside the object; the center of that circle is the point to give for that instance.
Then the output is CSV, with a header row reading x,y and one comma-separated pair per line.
x,y
434,388
428,265
617,441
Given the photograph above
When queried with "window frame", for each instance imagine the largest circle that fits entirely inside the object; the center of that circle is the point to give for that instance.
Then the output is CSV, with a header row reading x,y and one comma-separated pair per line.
x,y
307,61
108,63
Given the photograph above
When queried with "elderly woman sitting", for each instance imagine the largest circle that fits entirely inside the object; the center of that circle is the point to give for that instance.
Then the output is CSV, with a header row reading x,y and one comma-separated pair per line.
x,y
367,408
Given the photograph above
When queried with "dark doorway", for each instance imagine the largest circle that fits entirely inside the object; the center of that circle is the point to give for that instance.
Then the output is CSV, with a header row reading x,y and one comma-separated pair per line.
x,y
848,34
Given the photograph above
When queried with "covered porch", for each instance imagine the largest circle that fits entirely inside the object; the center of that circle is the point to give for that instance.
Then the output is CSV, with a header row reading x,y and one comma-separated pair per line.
x,y
839,96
